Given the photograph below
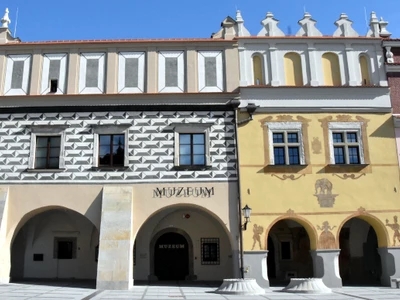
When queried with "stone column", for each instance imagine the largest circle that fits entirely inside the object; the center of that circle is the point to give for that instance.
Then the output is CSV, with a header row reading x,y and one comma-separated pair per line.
x,y
115,266
255,266
326,266
273,51
390,259
352,62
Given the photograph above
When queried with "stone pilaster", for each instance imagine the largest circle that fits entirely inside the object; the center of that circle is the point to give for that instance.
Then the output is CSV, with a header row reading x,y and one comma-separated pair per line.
x,y
255,266
4,244
115,266
326,266
390,259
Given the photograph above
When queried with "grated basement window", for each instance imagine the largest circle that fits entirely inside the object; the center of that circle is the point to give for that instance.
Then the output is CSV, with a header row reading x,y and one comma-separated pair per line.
x,y
210,251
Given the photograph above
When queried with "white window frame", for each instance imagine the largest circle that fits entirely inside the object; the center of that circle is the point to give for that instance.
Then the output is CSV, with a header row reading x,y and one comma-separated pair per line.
x,y
192,128
26,58
346,127
275,127
47,130
110,129
202,74
45,87
162,55
82,73
121,72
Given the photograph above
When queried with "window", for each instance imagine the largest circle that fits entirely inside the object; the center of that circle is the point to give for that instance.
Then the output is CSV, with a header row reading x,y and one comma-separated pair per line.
x,y
47,152
192,149
131,72
53,85
64,248
110,146
346,143
285,143
210,251
47,147
111,150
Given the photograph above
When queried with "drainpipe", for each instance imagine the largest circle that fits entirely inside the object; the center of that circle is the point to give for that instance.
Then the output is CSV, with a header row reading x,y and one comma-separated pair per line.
x,y
235,104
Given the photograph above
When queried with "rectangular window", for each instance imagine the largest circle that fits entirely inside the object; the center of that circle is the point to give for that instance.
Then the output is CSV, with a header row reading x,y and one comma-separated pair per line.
x,y
17,74
346,147
64,248
111,150
192,150
210,251
286,145
47,155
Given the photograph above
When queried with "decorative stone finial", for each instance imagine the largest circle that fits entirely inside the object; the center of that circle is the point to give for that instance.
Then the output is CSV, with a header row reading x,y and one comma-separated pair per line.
x,y
374,26
270,26
308,26
383,24
6,19
345,27
389,55
241,30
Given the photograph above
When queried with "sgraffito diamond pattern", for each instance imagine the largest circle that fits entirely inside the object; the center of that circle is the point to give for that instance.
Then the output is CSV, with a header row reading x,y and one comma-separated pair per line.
x,y
151,146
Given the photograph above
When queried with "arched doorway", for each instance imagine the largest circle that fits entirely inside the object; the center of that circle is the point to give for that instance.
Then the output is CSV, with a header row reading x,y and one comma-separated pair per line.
x,y
359,261
288,252
171,257
55,244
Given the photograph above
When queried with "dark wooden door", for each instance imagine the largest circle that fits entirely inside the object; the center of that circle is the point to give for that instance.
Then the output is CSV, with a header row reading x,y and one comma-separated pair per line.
x,y
171,257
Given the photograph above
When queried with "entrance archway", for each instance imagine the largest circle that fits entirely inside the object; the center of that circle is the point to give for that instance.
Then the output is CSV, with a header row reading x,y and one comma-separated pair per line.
x,y
55,244
288,252
359,261
171,257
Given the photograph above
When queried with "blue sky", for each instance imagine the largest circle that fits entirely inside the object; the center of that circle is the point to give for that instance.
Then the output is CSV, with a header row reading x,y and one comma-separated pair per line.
x,y
41,20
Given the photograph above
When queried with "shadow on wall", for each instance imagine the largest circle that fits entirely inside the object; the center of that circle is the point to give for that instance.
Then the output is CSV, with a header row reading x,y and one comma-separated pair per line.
x,y
386,130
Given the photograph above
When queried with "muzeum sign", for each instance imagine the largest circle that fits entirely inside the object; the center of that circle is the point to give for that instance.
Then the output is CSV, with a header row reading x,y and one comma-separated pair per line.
x,y
183,192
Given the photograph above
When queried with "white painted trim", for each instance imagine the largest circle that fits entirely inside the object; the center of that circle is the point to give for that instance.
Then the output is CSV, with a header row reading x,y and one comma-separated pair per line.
x,y
82,74
26,58
50,130
202,75
192,128
284,126
161,71
121,72
345,126
110,129
45,87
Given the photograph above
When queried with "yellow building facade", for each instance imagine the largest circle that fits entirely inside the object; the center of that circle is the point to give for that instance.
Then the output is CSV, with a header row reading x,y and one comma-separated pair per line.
x,y
317,156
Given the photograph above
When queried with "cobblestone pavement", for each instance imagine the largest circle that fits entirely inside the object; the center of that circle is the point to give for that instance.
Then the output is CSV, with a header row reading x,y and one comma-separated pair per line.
x,y
59,291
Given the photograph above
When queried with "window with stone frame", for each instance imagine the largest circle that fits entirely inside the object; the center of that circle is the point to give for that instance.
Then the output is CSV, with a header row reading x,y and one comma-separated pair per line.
x,y
92,73
54,73
286,143
131,72
192,146
111,150
110,146
171,71
47,154
346,143
210,71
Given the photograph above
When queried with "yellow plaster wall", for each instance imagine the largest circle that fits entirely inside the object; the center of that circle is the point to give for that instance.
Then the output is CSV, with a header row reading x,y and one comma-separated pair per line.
x,y
331,69
274,192
293,72
257,70
364,71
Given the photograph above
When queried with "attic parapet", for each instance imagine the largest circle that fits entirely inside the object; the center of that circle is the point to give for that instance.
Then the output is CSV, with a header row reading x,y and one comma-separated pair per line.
x,y
270,26
308,26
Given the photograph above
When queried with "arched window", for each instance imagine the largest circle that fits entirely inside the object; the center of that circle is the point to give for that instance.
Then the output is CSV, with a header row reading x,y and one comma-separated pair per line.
x,y
257,70
365,79
293,71
330,65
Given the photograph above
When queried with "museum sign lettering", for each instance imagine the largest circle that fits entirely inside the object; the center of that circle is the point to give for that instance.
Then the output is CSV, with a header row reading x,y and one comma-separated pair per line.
x,y
183,192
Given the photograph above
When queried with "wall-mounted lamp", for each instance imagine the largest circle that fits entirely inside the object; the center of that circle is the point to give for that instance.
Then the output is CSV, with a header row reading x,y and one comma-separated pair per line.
x,y
246,214
251,109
